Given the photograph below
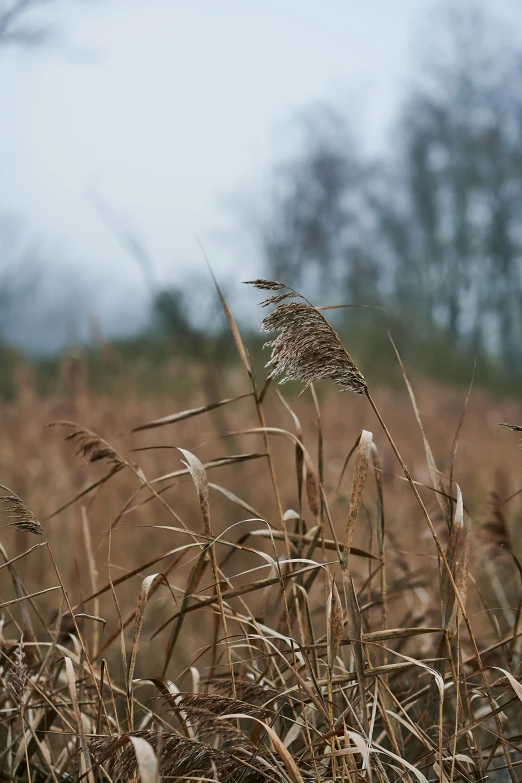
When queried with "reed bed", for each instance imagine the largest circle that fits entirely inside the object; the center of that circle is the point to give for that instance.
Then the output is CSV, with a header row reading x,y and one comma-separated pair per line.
x,y
267,587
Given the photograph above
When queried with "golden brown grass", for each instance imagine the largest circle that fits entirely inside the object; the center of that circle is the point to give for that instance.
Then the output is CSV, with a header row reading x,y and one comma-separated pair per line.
x,y
258,590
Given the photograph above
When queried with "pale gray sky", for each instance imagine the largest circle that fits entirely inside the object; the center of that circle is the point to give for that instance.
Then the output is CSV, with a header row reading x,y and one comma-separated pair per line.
x,y
169,107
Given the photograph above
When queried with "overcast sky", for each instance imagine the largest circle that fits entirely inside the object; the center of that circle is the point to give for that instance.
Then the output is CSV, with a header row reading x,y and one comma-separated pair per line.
x,y
170,108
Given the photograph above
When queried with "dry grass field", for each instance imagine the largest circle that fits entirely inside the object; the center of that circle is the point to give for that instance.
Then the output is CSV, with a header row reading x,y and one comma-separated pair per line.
x,y
195,615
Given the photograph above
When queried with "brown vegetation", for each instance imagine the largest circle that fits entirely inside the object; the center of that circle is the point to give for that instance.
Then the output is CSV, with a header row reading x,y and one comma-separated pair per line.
x,y
260,590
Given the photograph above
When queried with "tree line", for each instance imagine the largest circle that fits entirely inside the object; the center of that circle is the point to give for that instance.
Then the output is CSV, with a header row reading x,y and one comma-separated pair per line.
x,y
431,230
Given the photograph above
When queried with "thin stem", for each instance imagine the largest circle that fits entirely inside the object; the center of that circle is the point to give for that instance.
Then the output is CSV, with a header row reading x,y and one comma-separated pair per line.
x,y
451,579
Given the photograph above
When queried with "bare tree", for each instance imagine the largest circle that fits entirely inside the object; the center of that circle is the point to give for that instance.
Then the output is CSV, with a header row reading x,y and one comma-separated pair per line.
x,y
319,210
22,24
17,258
457,238
26,24
435,228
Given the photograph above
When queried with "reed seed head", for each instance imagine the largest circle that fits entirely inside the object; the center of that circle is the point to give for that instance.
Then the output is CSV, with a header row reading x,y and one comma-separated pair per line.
x,y
90,447
18,678
21,515
306,348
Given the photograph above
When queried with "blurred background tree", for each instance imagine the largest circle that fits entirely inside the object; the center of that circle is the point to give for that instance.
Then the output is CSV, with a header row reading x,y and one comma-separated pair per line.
x,y
429,229
432,231
24,24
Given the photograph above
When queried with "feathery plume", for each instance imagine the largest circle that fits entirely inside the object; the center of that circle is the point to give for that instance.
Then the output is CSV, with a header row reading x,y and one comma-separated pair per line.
x,y
248,691
22,516
216,704
495,530
91,447
267,285
306,348
512,427
181,757
17,680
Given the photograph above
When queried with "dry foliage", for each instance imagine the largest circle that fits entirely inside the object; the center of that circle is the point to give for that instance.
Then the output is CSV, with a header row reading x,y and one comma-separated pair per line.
x,y
318,615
